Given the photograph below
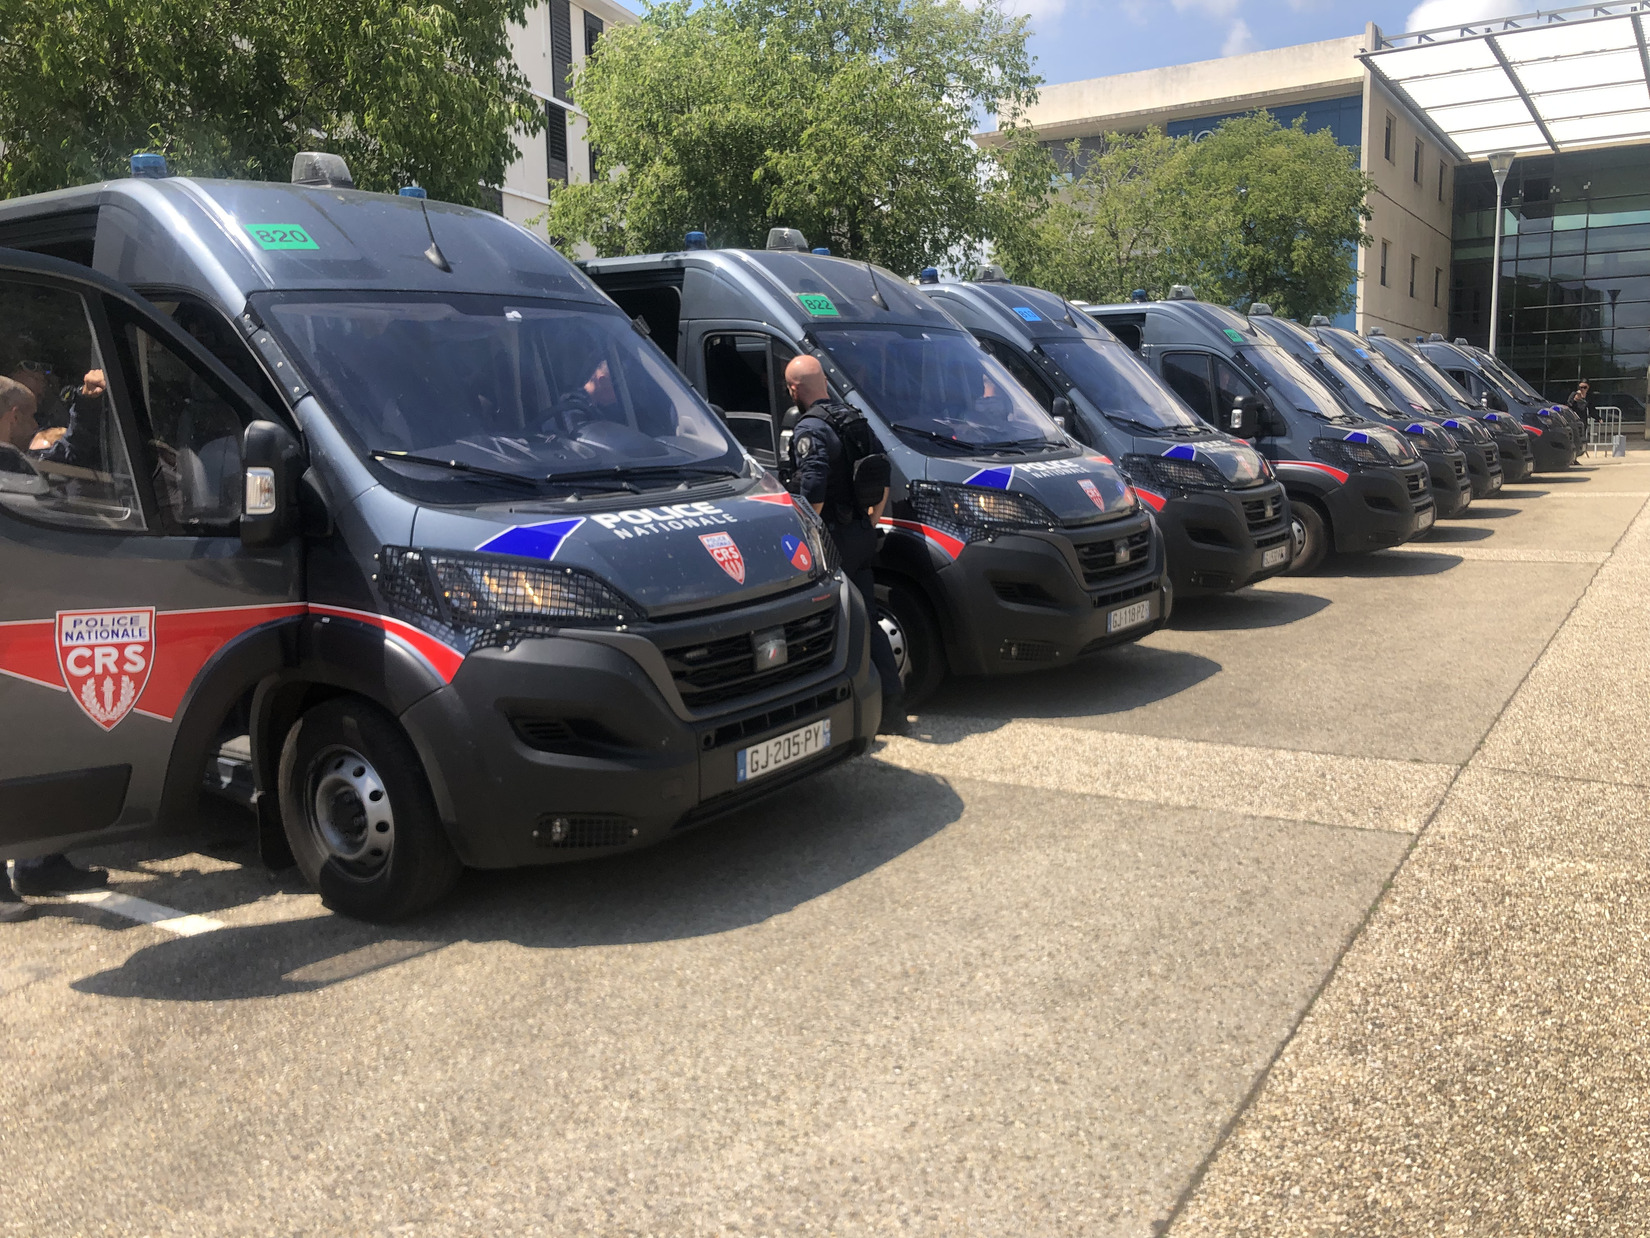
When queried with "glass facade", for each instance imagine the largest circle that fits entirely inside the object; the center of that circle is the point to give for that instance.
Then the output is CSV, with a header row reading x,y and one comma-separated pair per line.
x,y
1344,118
1575,269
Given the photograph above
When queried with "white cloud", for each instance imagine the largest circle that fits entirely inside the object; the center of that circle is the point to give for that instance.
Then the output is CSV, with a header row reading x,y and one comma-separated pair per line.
x,y
1039,10
1431,14
1238,39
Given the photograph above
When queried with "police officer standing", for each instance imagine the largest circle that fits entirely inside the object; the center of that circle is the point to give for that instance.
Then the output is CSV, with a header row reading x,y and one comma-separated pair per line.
x,y
842,473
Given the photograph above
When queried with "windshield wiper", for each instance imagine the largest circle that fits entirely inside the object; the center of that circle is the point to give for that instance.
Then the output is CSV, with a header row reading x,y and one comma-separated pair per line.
x,y
457,466
935,435
619,474
1151,429
1022,445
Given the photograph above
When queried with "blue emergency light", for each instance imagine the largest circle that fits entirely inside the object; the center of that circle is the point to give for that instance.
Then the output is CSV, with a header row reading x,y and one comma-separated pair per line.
x,y
823,249
928,275
150,166
695,240
412,191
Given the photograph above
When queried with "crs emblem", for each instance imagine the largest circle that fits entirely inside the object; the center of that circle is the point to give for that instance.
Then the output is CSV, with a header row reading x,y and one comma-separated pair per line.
x,y
105,657
726,554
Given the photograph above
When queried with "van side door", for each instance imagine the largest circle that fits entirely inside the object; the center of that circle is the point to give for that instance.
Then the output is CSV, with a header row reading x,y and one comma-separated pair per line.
x,y
133,620
742,373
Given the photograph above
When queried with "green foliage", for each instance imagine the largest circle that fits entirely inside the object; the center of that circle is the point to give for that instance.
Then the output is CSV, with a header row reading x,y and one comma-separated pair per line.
x,y
404,91
1253,212
848,119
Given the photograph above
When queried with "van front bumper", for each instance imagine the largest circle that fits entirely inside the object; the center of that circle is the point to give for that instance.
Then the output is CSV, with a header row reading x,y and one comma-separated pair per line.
x,y
1216,544
570,746
1024,601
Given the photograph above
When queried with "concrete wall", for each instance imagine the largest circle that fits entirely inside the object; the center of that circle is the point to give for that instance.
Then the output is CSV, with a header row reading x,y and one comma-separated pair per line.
x,y
1409,218
526,181
1127,102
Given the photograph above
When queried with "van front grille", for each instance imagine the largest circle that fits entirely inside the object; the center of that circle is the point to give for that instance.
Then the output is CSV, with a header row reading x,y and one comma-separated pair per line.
x,y
724,669
1417,484
1259,513
1105,560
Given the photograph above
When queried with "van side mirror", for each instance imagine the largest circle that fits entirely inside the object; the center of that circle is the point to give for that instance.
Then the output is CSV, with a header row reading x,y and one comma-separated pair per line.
x,y
1246,415
1062,412
272,464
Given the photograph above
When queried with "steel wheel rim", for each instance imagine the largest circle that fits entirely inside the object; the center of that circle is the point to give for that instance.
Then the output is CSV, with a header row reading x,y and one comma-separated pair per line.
x,y
349,811
896,638
1297,533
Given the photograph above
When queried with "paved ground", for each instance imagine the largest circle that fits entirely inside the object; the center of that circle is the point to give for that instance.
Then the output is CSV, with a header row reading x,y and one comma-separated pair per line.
x,y
1041,970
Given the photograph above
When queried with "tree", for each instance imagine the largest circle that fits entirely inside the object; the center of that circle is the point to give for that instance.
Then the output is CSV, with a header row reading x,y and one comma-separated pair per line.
x,y
1253,212
1099,230
847,119
405,92
1273,214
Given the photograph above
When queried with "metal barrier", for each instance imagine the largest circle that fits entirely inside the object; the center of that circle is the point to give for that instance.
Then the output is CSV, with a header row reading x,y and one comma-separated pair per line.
x,y
1603,428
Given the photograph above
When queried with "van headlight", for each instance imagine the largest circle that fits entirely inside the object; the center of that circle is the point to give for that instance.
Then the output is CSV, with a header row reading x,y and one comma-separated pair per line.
x,y
1166,473
970,513
1350,455
475,600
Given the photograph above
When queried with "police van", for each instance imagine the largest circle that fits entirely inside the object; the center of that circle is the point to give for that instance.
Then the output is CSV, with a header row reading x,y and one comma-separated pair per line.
x,y
377,507
1008,546
1512,441
1362,396
1353,485
1223,514
1553,441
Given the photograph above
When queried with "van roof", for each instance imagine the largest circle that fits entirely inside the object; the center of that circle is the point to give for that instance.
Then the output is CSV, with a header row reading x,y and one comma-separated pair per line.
x,y
230,238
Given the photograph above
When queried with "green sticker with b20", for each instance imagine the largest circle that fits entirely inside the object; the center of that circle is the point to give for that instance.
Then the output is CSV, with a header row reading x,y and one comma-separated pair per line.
x,y
281,236
818,304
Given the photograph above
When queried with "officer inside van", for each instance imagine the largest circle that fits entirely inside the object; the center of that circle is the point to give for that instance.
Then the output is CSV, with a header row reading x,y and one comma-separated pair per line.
x,y
850,495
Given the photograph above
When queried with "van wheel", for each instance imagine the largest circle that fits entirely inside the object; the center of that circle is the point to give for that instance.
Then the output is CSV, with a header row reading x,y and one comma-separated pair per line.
x,y
359,815
1310,533
911,630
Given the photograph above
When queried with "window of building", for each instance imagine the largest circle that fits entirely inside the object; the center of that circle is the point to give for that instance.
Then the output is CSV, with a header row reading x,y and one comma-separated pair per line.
x,y
1385,248
1415,174
1437,286
1386,148
1441,171
593,28
1414,266
555,143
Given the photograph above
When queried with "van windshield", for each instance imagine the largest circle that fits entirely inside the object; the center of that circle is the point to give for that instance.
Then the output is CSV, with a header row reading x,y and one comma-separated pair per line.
x,y
1291,381
1119,385
939,386
484,389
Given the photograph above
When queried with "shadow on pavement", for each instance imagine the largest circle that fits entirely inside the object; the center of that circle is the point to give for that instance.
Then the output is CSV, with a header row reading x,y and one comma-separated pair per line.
x,y
1381,563
1457,532
1244,610
1475,512
725,875
1107,683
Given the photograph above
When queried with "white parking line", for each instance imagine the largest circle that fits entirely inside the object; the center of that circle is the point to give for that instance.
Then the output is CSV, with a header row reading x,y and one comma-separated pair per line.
x,y
145,912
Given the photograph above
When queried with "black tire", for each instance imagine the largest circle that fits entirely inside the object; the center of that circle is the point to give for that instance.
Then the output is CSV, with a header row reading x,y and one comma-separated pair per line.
x,y
916,639
359,816
1310,531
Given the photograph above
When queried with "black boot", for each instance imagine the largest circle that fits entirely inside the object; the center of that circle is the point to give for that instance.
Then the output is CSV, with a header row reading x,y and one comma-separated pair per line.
x,y
53,874
894,721
12,908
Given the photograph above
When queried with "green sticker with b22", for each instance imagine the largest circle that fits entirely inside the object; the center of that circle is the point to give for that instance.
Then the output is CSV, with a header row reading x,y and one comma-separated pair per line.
x,y
818,304
281,236
1235,336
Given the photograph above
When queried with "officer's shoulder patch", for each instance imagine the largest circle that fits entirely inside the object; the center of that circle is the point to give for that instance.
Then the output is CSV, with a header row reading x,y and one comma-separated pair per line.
x,y
804,444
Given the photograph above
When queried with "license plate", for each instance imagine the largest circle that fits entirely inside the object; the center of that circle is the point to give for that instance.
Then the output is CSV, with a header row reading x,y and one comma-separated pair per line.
x,y
781,751
1275,556
1495,483
1128,616
1427,518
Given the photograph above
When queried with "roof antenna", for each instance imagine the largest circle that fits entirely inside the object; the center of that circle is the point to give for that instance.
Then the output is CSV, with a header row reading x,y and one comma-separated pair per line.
x,y
433,253
876,289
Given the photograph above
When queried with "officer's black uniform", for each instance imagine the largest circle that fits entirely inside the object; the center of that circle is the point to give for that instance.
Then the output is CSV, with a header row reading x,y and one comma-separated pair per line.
x,y
825,477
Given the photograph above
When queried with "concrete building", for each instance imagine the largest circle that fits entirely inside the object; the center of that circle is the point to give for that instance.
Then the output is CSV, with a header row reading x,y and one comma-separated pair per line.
x,y
550,46
1564,90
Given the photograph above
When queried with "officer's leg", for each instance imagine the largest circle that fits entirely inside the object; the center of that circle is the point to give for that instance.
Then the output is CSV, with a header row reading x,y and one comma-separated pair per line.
x,y
856,547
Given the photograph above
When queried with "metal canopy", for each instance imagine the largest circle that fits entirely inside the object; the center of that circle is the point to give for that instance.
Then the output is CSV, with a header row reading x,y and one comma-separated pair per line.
x,y
1551,81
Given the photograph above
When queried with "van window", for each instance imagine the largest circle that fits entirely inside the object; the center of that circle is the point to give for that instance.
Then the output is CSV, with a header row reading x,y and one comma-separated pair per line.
x,y
63,456
191,439
1187,374
213,332
1021,369
745,378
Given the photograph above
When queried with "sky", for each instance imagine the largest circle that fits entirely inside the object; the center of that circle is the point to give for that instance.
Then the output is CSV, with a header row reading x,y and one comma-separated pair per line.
x,y
1076,39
